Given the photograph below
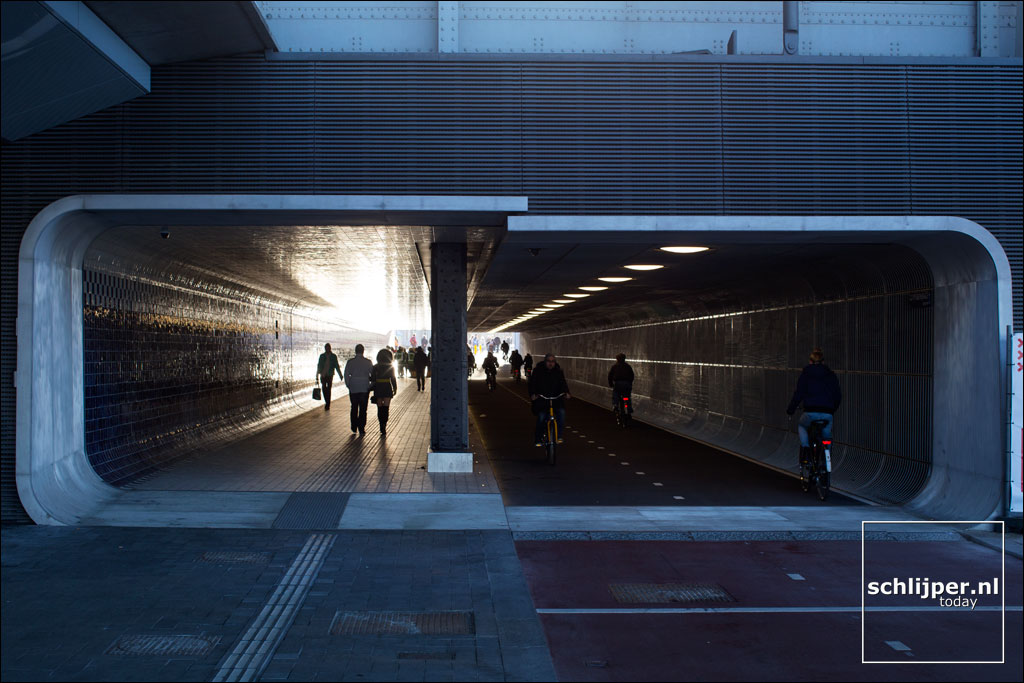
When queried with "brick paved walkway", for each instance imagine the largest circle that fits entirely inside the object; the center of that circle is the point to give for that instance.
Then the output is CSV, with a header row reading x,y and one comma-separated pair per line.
x,y
317,451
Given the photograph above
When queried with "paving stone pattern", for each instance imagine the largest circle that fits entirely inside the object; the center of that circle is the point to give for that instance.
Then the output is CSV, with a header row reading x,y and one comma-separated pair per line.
x,y
317,451
69,594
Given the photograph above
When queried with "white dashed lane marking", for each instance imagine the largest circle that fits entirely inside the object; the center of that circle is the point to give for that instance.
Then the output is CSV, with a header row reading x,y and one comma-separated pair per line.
x,y
796,577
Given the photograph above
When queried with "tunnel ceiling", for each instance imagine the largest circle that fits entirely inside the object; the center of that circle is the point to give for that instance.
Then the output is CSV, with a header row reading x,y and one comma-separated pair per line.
x,y
372,277
731,275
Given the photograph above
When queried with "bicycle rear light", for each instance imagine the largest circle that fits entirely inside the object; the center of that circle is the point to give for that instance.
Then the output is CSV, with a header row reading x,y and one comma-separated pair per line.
x,y
827,443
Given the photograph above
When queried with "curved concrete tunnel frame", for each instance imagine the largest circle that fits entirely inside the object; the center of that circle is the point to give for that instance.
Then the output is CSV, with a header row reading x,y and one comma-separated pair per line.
x,y
973,312
970,270
56,483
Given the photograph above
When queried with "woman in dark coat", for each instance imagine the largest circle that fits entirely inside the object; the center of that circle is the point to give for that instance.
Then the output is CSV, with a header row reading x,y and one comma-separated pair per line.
x,y
384,387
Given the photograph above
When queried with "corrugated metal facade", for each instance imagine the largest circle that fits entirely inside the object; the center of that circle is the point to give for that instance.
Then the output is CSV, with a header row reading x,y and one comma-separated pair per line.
x,y
575,137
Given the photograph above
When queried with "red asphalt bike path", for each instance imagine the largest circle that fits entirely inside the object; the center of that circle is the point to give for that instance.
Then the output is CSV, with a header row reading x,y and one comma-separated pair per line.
x,y
738,642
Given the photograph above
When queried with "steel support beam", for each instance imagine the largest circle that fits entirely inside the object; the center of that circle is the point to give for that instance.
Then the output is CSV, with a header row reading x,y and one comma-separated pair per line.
x,y
449,394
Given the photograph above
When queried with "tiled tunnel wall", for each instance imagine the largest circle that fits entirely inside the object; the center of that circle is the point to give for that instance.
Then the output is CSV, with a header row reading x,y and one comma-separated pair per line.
x,y
171,370
723,369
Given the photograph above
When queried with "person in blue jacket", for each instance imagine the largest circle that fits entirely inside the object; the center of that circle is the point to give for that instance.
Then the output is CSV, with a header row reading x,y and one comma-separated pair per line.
x,y
818,389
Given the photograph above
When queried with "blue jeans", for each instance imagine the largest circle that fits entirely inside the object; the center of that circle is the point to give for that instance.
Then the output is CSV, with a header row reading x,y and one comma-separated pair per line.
x,y
805,421
541,407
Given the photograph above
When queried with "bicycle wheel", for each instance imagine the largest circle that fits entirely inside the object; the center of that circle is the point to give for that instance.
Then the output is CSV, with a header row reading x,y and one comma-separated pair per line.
x,y
552,443
821,484
805,477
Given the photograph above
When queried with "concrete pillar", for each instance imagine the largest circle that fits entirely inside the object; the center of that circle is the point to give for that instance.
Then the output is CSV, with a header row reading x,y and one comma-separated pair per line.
x,y
449,406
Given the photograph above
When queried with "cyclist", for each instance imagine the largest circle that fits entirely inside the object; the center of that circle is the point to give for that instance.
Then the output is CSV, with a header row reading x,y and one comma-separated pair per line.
x,y
548,379
818,389
620,379
516,361
528,365
470,362
490,367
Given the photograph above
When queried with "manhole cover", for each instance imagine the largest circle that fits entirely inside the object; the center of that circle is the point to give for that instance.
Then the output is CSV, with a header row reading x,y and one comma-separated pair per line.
x,y
233,557
426,655
163,645
669,592
403,623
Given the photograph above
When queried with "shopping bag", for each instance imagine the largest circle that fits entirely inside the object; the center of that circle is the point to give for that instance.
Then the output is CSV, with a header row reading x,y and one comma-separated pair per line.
x,y
316,393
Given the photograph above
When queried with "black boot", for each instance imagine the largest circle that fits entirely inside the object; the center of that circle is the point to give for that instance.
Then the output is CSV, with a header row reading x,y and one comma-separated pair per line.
x,y
382,415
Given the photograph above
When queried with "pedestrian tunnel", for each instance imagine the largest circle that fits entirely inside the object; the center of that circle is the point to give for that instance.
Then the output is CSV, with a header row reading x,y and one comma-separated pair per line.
x,y
152,326
133,345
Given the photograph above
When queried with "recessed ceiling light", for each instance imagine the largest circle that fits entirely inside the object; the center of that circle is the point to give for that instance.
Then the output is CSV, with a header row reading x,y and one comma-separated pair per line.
x,y
684,250
592,289
552,306
644,267
576,296
614,279
562,301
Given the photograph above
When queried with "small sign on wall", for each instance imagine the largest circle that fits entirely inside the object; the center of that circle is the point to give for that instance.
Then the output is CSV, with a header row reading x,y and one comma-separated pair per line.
x,y
1016,423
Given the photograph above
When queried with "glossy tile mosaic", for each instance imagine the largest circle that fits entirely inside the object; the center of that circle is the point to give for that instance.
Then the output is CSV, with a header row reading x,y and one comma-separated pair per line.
x,y
170,370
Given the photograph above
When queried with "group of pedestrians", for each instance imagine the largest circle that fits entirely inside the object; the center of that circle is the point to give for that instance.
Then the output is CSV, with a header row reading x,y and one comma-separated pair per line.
x,y
413,361
363,378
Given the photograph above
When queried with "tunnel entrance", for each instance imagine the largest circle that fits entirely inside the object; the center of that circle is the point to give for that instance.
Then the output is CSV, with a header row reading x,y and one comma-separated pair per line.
x,y
914,308
717,340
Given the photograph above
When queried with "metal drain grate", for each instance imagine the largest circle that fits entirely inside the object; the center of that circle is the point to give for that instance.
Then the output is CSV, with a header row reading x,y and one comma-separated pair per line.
x,y
426,655
233,557
669,592
163,646
403,623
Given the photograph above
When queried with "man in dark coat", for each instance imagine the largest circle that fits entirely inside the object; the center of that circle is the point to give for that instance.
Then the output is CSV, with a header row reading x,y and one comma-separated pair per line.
x,y
325,368
548,379
818,389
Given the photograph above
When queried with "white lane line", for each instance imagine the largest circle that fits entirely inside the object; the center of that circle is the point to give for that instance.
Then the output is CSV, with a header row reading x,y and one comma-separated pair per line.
x,y
641,473
764,610
796,577
897,645
611,455
657,483
624,463
257,645
678,497
600,448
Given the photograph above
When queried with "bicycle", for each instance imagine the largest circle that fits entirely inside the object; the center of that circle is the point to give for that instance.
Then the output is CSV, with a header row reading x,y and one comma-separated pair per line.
x,y
622,411
517,375
492,379
816,473
550,438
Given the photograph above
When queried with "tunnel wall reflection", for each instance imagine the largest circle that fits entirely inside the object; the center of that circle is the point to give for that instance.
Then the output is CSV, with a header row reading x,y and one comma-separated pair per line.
x,y
171,371
720,366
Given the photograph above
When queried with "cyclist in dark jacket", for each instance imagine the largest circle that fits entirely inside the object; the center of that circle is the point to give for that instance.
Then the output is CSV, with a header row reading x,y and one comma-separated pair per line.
x,y
620,379
818,389
516,361
548,379
528,365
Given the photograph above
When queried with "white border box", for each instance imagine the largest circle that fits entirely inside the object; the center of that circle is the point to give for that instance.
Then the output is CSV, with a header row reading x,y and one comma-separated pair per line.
x,y
1002,527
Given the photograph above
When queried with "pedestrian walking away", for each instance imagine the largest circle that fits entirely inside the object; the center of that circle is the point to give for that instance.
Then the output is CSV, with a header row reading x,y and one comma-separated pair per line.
x,y
420,363
325,369
357,379
385,386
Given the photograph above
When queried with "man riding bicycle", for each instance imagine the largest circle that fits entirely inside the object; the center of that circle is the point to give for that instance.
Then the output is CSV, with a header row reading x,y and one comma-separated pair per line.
x,y
490,367
818,389
620,379
548,379
516,361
